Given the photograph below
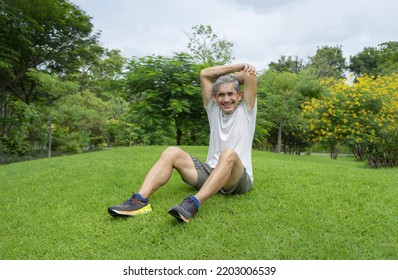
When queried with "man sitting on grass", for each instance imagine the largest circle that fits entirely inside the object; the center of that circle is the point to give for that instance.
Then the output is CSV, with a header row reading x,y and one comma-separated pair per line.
x,y
228,168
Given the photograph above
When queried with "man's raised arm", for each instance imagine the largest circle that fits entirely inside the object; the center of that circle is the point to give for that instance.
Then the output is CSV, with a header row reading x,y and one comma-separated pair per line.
x,y
244,73
247,77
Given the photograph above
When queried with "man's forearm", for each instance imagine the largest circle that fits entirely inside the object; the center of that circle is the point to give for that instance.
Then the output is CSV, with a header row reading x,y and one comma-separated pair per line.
x,y
212,73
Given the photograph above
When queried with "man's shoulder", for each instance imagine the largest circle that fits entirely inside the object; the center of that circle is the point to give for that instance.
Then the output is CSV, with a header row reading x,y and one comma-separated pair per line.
x,y
211,106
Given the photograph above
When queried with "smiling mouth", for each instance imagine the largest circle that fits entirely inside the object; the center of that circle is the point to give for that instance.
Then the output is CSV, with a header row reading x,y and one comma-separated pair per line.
x,y
227,108
229,104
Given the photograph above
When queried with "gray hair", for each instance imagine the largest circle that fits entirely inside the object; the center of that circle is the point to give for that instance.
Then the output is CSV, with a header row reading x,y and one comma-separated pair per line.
x,y
226,79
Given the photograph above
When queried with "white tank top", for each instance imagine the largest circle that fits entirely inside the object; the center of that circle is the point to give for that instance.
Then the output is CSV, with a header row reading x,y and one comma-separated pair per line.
x,y
235,131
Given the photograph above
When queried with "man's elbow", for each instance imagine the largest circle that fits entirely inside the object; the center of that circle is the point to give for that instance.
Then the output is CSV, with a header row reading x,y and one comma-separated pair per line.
x,y
204,73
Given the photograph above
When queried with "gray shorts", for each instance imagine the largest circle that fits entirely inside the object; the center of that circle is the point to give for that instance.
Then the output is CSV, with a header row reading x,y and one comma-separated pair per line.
x,y
243,185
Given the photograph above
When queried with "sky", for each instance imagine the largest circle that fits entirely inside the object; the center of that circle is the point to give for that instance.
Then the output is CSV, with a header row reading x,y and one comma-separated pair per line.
x,y
261,30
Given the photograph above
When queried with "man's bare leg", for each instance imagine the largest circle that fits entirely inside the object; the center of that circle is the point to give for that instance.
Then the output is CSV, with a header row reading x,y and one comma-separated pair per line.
x,y
161,171
226,174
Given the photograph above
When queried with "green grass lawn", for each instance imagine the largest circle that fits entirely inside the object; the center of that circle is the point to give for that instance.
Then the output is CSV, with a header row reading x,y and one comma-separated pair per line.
x,y
301,207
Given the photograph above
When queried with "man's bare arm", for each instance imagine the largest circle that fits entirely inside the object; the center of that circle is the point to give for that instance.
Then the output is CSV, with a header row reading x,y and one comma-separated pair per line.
x,y
247,77
209,75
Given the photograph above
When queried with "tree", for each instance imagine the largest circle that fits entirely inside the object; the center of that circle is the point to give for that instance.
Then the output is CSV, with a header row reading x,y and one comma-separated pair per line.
x,y
365,62
42,34
50,36
54,89
363,116
207,47
327,62
388,58
79,122
289,64
382,60
282,100
166,99
279,103
102,73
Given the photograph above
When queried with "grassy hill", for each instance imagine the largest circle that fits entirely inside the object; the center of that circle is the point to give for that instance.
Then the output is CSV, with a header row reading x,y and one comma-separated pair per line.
x,y
306,207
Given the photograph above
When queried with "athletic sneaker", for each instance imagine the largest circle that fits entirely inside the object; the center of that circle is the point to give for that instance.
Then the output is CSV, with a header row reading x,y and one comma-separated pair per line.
x,y
132,207
185,210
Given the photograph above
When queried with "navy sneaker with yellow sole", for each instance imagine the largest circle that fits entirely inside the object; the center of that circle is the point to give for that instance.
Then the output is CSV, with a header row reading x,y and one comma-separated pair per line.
x,y
135,205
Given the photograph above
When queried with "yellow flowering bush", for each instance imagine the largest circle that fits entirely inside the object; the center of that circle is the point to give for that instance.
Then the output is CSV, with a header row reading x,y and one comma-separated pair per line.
x,y
362,116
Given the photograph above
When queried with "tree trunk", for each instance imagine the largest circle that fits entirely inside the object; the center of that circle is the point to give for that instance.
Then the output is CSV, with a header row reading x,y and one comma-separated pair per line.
x,y
50,122
178,136
334,150
280,128
279,140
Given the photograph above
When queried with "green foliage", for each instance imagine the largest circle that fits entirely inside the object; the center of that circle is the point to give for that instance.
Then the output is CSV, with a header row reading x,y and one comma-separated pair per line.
x,y
26,118
38,37
289,64
365,62
43,34
388,58
382,60
14,144
79,123
328,62
56,209
280,96
50,87
166,91
206,46
102,73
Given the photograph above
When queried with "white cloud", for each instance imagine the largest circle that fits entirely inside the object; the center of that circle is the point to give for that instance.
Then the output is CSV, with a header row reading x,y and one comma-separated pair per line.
x,y
262,30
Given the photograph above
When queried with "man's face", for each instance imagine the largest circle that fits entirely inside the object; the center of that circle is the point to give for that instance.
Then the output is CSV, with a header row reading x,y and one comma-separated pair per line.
x,y
227,98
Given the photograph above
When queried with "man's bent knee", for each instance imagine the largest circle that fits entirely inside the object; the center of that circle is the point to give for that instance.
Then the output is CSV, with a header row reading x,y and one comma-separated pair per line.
x,y
229,155
180,159
172,152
